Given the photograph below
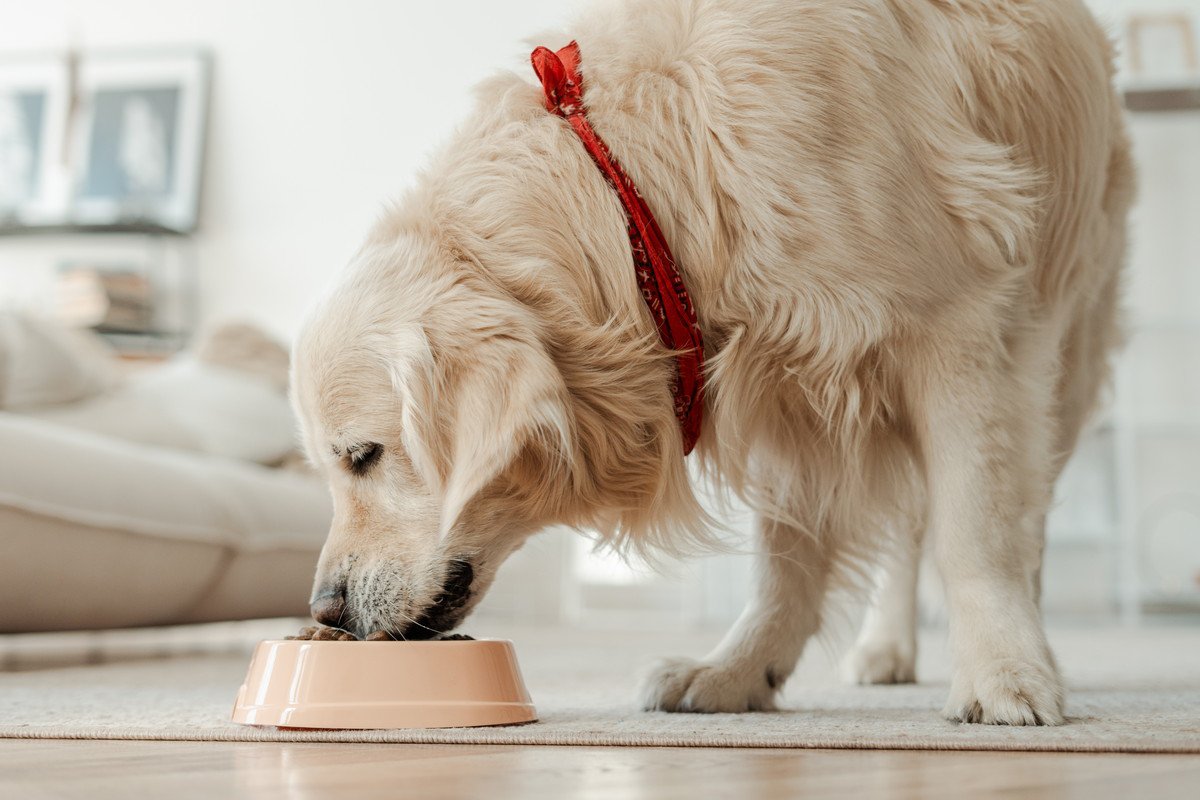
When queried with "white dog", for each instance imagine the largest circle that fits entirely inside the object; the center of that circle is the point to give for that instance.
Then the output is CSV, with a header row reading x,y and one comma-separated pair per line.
x,y
902,223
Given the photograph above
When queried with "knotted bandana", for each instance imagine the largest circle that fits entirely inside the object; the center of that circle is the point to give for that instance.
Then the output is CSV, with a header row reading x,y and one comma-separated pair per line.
x,y
658,278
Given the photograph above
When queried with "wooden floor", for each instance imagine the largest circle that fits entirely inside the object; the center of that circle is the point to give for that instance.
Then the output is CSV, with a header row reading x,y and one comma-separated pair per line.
x,y
97,770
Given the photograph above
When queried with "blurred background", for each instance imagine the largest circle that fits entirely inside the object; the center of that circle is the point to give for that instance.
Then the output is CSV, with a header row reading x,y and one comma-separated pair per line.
x,y
180,178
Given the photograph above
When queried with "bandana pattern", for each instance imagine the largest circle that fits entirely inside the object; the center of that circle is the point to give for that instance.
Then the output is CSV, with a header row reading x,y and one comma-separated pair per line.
x,y
661,285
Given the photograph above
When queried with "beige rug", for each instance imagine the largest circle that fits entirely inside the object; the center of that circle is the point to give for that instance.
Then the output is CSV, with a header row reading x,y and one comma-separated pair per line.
x,y
1131,691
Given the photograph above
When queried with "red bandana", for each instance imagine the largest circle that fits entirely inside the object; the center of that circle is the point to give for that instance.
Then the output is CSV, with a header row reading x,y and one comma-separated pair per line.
x,y
662,286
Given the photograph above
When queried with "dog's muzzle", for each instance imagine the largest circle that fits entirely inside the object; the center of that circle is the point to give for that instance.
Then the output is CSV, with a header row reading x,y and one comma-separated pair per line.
x,y
448,608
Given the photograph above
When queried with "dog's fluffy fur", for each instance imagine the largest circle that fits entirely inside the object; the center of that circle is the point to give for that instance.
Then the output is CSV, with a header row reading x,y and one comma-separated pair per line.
x,y
902,223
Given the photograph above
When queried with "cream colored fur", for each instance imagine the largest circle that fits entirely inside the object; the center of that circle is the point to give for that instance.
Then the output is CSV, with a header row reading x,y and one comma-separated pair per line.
x,y
902,224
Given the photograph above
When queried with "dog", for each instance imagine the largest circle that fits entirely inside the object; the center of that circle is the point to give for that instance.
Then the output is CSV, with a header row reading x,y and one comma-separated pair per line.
x,y
902,223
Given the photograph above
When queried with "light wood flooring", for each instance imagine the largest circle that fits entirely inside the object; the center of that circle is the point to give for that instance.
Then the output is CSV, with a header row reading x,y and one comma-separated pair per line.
x,y
97,770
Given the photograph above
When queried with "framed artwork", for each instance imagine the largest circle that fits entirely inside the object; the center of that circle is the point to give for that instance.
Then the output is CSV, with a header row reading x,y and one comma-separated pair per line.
x,y
139,143
1162,48
34,104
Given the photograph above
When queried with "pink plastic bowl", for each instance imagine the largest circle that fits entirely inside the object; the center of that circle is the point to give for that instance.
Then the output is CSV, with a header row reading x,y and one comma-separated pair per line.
x,y
305,684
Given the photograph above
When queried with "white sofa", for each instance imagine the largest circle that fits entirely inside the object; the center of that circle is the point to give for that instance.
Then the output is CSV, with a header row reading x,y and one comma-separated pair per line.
x,y
144,499
96,532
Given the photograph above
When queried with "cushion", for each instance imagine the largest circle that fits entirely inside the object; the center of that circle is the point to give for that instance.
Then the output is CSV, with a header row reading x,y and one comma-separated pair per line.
x,y
190,404
99,532
42,363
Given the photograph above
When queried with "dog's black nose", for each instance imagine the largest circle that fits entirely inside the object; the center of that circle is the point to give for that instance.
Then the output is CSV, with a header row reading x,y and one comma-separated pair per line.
x,y
329,607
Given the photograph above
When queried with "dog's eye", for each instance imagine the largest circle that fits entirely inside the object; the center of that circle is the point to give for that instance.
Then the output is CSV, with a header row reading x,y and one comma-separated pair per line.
x,y
361,458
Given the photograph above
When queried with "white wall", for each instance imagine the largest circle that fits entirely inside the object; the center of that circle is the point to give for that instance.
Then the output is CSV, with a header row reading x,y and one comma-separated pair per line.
x,y
320,112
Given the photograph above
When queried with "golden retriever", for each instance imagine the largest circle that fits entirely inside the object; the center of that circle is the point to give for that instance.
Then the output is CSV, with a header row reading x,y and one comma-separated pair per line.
x,y
902,223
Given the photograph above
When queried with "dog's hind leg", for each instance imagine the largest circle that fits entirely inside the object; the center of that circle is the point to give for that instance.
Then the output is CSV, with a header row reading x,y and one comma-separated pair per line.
x,y
751,663
886,649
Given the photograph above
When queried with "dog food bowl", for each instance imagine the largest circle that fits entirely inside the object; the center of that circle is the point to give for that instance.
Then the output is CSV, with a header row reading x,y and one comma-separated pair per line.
x,y
332,684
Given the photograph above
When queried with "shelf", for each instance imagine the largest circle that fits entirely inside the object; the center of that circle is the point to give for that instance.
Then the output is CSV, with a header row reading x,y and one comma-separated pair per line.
x,y
1170,602
1158,98
1184,325
144,227
1151,427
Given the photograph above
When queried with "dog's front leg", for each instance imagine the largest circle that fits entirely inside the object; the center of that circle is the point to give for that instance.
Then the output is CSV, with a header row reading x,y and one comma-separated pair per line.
x,y
986,439
750,665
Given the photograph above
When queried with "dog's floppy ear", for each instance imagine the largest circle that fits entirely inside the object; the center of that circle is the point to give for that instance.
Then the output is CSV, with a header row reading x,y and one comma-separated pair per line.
x,y
473,410
499,409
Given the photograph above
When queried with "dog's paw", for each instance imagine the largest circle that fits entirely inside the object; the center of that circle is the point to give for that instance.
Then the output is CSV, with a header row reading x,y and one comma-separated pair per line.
x,y
880,661
320,633
695,686
1006,693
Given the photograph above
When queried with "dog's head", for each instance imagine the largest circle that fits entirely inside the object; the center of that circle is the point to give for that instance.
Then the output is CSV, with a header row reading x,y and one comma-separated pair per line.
x,y
431,402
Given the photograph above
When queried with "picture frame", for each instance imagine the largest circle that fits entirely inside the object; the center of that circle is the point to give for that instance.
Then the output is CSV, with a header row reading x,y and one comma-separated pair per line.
x,y
35,97
1161,48
139,144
